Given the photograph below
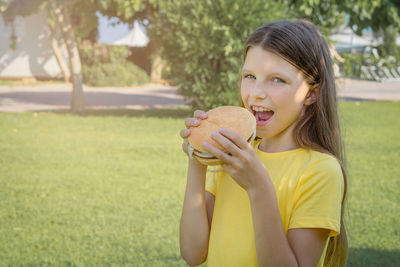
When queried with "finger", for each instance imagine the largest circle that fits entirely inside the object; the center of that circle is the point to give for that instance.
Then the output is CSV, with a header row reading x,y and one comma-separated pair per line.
x,y
226,143
227,167
185,148
237,139
185,145
184,133
200,114
192,122
225,157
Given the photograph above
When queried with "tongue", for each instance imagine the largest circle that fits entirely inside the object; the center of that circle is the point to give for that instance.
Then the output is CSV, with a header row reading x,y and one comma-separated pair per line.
x,y
264,115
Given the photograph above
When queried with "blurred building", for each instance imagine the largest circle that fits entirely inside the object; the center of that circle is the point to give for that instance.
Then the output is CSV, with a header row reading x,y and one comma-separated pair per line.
x,y
32,56
346,41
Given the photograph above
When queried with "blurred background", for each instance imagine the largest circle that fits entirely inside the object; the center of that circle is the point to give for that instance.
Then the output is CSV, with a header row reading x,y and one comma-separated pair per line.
x,y
93,94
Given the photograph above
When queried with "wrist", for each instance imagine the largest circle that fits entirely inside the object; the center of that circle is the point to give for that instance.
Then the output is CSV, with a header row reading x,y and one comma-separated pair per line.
x,y
196,166
195,163
261,189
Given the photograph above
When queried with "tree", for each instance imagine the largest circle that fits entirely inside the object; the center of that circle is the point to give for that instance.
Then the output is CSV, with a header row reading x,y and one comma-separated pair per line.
x,y
27,7
202,42
77,103
383,16
326,14
144,11
55,28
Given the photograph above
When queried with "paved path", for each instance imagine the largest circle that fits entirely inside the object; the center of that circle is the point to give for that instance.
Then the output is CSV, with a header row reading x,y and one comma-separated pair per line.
x,y
45,97
58,97
367,90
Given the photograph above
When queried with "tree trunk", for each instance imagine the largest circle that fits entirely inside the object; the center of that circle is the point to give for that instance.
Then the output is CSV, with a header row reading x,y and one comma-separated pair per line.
x,y
77,100
57,51
156,62
157,65
389,40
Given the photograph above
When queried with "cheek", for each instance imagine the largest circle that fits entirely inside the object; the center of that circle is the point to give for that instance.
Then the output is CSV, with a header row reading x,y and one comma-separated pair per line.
x,y
301,93
288,103
300,96
244,92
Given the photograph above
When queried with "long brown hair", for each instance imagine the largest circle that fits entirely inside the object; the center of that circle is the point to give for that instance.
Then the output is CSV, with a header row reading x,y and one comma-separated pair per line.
x,y
302,45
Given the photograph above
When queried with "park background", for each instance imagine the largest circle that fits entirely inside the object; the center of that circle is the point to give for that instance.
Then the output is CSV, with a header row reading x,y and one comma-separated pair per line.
x,y
94,187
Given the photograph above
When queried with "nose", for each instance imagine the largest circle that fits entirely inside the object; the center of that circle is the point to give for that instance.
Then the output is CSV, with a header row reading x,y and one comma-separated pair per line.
x,y
258,91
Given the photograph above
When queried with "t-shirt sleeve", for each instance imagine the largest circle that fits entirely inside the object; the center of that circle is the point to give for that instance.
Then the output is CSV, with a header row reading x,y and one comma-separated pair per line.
x,y
318,199
211,179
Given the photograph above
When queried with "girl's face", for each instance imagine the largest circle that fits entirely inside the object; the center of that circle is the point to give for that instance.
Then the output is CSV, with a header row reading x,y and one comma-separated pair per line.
x,y
274,91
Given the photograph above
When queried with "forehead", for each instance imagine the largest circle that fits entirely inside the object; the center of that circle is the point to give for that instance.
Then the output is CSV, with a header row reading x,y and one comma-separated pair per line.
x,y
259,59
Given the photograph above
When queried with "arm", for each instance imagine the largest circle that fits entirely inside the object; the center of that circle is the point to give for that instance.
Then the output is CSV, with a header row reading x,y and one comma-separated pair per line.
x,y
198,206
194,225
302,247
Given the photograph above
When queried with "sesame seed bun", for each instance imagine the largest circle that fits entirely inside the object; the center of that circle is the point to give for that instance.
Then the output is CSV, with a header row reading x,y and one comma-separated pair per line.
x,y
237,119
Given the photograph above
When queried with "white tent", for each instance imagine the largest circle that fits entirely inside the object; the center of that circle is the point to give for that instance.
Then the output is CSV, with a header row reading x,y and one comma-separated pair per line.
x,y
136,37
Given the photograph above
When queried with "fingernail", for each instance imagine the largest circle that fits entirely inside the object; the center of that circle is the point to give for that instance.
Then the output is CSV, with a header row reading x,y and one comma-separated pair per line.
x,y
196,121
205,144
214,133
187,132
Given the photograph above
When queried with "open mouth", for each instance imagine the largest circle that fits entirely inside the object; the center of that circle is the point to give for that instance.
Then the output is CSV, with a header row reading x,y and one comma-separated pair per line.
x,y
262,114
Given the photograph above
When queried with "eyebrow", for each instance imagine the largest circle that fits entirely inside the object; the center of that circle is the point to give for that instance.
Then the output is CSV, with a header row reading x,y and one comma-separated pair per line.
x,y
272,74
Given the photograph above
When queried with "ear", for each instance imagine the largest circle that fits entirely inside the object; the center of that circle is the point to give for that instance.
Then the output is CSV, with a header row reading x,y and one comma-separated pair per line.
x,y
312,95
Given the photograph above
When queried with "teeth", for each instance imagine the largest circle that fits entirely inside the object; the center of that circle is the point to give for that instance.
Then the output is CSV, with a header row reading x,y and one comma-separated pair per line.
x,y
260,109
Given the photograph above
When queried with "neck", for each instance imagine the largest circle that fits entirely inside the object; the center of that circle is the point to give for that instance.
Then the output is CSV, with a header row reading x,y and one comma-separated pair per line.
x,y
270,146
281,142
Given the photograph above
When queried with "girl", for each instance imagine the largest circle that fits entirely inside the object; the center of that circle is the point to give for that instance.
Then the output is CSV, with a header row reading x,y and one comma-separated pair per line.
x,y
279,201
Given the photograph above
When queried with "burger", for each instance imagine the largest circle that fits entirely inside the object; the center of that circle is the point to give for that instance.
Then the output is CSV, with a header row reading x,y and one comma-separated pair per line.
x,y
237,119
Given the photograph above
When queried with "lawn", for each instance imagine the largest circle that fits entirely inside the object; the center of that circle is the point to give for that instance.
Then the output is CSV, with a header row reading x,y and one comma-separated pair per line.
x,y
106,188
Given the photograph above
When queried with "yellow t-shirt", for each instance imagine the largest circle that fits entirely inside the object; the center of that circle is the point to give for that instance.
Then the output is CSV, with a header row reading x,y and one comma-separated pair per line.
x,y
309,188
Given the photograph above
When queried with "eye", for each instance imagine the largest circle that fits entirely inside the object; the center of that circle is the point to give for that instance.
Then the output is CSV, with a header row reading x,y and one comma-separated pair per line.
x,y
277,80
249,76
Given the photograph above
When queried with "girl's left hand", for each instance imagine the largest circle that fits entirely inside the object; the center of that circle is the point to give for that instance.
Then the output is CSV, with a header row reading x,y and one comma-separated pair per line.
x,y
240,161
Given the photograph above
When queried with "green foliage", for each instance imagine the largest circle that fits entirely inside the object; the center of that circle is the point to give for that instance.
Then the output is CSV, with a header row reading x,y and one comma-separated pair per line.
x,y
127,10
202,42
20,8
383,16
83,19
122,73
325,14
3,5
104,65
96,53
377,14
352,65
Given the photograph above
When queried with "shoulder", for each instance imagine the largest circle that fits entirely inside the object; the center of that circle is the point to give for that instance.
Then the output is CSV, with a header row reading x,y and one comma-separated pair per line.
x,y
324,169
324,162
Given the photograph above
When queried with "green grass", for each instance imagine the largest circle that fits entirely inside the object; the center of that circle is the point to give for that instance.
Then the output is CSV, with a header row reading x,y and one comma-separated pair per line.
x,y
106,188
28,82
372,136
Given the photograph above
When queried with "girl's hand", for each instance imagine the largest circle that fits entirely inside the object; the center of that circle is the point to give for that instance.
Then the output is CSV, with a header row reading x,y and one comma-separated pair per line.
x,y
240,161
191,122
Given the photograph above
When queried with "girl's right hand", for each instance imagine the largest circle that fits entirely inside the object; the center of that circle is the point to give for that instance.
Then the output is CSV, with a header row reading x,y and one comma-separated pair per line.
x,y
191,122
